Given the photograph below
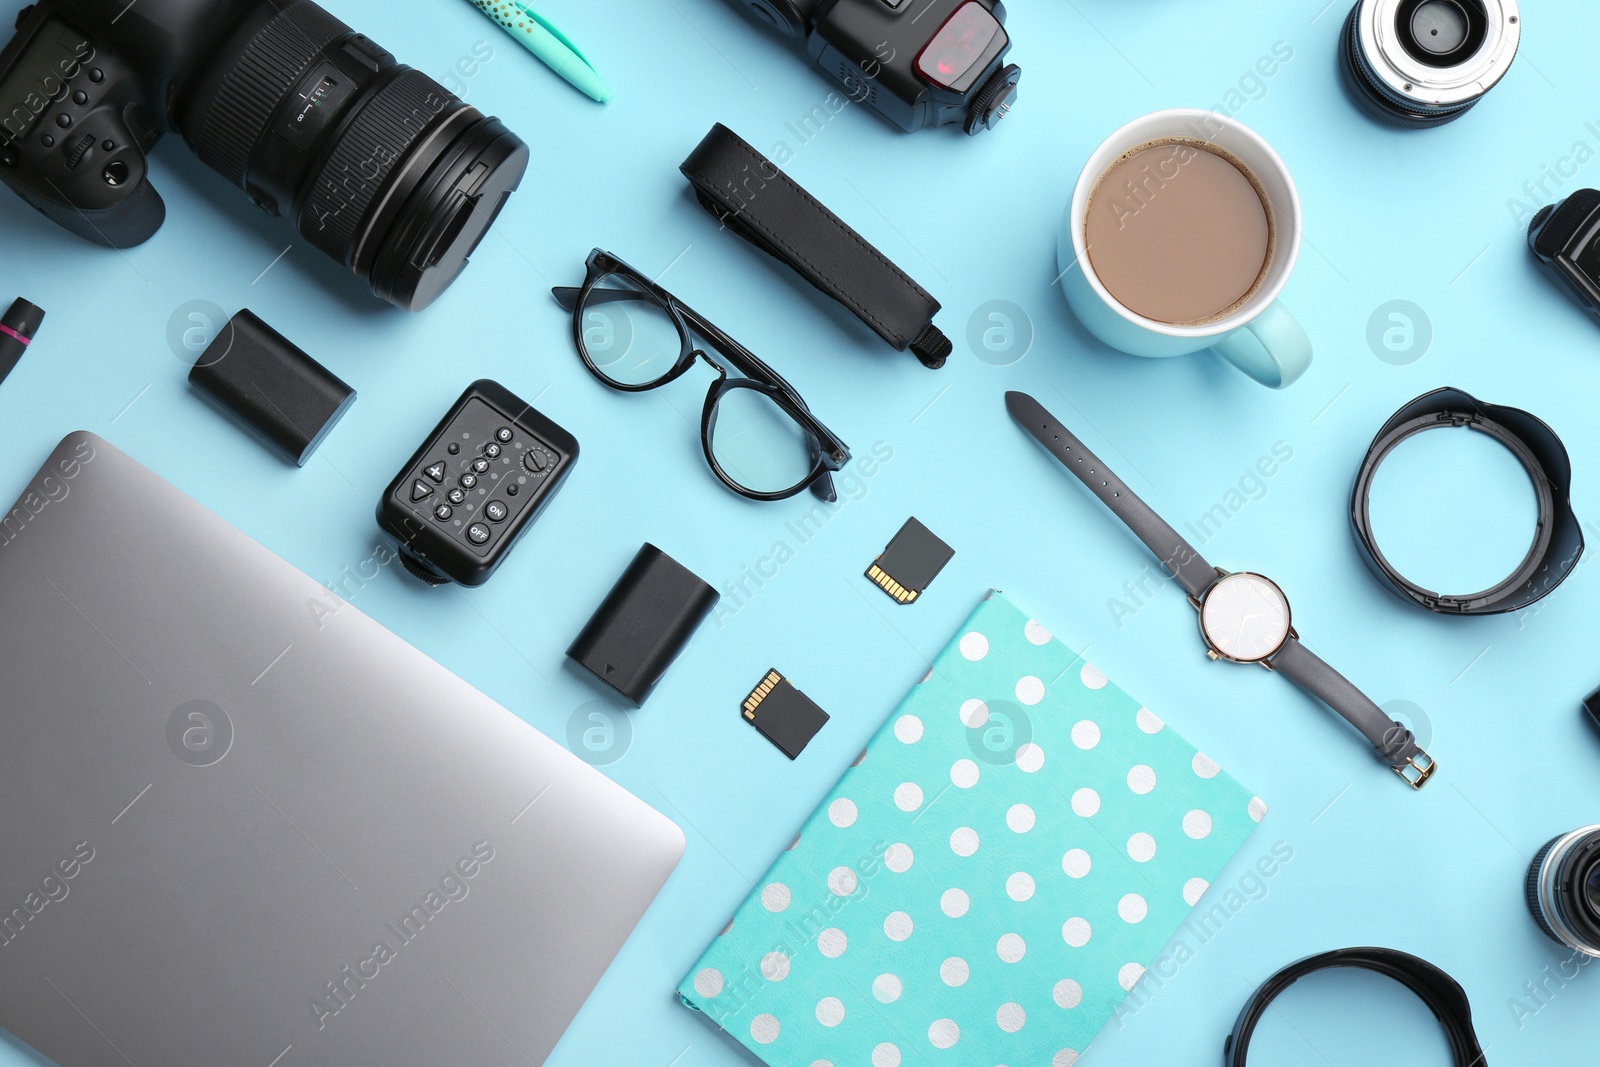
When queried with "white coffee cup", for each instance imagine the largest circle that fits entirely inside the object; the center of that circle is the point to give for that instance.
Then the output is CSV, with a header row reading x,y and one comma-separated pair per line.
x,y
1260,337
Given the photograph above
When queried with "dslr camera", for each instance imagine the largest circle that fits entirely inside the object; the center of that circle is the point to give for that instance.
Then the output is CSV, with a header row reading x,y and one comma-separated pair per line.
x,y
374,163
918,63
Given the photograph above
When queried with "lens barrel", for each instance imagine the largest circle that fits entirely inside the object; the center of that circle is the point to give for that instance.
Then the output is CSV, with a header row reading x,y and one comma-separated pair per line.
x,y
1416,64
377,164
1563,890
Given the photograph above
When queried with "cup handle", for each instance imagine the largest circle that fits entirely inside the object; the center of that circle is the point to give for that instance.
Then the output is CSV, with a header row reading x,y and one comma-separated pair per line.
x,y
1273,348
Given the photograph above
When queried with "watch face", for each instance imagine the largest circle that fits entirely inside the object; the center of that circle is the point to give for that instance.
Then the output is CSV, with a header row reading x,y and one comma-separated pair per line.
x,y
1245,617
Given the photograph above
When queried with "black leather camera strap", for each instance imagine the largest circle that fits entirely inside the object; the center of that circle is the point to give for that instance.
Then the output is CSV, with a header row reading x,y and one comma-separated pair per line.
x,y
1558,539
1441,993
747,192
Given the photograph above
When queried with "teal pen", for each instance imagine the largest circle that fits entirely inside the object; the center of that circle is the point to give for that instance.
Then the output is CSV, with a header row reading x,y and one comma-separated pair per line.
x,y
554,48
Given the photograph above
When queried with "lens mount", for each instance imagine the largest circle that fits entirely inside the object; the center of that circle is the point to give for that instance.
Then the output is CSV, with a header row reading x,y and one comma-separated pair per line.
x,y
1562,890
1390,59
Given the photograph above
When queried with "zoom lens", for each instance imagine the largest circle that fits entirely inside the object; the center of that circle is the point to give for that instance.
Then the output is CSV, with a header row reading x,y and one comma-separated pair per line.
x,y
1563,890
1415,64
376,164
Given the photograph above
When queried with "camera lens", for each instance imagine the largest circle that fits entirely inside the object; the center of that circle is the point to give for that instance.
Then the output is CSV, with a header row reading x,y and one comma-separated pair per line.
x,y
376,164
1421,63
1563,890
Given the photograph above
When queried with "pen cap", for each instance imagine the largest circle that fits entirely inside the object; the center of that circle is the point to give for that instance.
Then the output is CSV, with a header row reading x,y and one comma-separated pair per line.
x,y
643,623
22,320
272,388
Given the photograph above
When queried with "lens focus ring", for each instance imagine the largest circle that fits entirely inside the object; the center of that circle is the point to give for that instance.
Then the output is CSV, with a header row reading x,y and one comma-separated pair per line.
x,y
377,140
266,70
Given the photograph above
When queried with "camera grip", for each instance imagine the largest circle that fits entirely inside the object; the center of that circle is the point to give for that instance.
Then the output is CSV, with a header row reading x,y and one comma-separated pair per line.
x,y
130,221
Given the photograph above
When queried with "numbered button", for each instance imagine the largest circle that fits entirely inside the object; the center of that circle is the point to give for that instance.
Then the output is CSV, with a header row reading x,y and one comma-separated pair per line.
x,y
503,435
478,533
480,465
456,496
495,510
491,450
443,512
469,480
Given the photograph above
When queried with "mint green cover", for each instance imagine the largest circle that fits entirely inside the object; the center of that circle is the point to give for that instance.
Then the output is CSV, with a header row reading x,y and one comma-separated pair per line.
x,y
986,884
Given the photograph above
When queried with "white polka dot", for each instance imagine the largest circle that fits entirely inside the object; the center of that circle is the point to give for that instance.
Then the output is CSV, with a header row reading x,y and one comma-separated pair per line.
x,y
832,942
1035,633
1257,808
1075,863
1149,721
1204,765
842,881
1142,779
1030,691
974,713
908,796
830,1011
955,902
1020,887
708,983
842,812
1011,1017
887,988
964,773
1197,824
1132,908
764,1029
1086,802
1068,994
774,966
1194,889
1011,948
1065,1058
1030,757
1091,678
1129,974
944,1033
954,972
897,926
1141,848
974,646
964,842
1020,818
899,857
775,897
1086,734
908,728
887,1055
1075,932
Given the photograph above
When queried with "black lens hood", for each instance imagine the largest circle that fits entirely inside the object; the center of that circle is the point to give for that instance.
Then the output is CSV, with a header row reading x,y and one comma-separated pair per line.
x,y
1441,993
1558,539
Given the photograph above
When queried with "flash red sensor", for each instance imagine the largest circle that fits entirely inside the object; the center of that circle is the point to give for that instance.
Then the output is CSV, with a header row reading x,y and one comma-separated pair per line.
x,y
951,59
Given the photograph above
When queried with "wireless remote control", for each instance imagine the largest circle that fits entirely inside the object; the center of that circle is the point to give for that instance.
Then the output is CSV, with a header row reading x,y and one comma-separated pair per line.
x,y
476,484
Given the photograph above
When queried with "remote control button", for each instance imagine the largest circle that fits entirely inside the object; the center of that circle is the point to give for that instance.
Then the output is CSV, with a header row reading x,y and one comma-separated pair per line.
x,y
63,120
443,512
97,75
478,533
537,460
495,510
80,97
469,480
47,141
456,496
480,465
436,472
503,435
491,450
454,449
512,489
420,490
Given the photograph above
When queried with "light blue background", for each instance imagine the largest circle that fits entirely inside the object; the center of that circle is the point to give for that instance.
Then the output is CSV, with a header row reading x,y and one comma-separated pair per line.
x,y
1421,217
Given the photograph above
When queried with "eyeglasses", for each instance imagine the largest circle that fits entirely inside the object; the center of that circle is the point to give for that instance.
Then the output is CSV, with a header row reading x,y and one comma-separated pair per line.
x,y
758,435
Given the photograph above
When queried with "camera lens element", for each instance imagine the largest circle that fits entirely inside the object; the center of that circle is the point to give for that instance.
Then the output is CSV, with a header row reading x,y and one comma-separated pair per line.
x,y
1414,64
1563,890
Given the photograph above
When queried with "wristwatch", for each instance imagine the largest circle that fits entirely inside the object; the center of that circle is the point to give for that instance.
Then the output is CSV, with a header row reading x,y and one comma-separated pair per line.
x,y
1244,617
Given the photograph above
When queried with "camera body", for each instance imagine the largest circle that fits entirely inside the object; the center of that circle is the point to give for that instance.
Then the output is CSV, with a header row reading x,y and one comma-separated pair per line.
x,y
918,63
1565,238
374,163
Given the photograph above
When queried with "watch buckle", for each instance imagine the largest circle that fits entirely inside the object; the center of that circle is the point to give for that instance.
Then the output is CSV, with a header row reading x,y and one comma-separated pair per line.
x,y
1417,769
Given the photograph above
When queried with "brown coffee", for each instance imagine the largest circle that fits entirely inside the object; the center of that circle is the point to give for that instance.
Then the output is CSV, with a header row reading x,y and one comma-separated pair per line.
x,y
1180,232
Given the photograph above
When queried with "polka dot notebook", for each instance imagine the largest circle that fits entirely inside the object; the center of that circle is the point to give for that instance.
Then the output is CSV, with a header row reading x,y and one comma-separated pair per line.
x,y
991,878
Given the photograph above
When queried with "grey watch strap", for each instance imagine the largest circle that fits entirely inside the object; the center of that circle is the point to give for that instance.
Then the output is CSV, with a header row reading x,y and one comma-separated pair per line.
x,y
1395,744
1176,555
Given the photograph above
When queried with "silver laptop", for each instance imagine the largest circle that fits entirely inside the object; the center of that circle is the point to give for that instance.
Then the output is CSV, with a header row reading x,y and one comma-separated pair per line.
x,y
238,828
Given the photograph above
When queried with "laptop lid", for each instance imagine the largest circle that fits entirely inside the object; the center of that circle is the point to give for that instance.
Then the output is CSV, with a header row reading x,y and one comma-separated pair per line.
x,y
238,828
